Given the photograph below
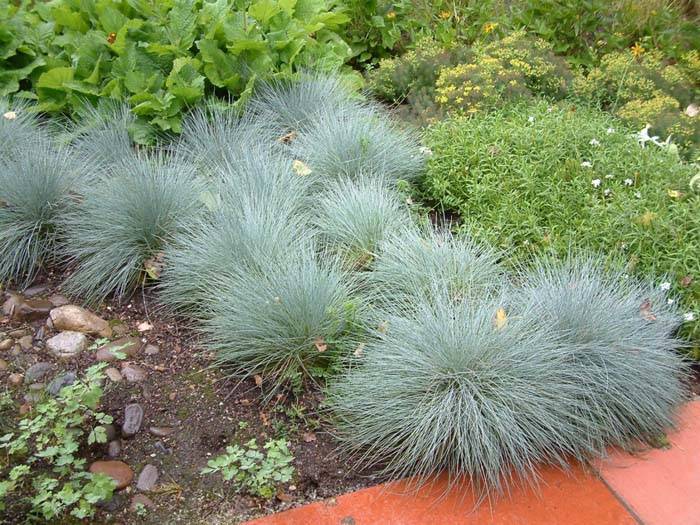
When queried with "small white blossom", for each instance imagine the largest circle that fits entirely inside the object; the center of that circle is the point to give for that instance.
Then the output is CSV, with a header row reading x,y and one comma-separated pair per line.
x,y
610,131
595,182
594,142
670,301
690,316
638,194
586,164
665,286
426,151
609,176
550,109
629,182
10,115
531,119
607,192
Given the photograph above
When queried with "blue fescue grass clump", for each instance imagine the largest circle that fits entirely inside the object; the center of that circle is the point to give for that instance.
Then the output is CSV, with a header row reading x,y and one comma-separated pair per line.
x,y
123,221
19,126
284,321
355,215
39,185
257,214
358,140
439,387
619,335
416,258
292,105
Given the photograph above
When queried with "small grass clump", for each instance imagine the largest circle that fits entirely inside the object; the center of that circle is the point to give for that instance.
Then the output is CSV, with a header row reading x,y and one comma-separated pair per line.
x,y
358,140
116,236
538,179
39,185
19,126
285,322
354,216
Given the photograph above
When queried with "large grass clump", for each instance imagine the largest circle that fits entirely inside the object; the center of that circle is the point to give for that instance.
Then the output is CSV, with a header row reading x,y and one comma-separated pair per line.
x,y
116,236
492,387
39,185
355,216
286,321
539,179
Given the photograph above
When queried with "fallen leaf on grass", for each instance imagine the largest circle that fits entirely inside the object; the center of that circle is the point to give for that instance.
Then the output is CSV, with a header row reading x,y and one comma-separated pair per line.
x,y
308,437
144,327
10,115
258,379
501,319
686,281
289,137
265,419
282,496
359,350
645,311
320,344
301,168
674,194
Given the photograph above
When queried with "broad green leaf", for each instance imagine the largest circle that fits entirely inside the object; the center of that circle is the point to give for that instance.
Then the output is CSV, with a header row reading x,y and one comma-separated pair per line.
x,y
263,10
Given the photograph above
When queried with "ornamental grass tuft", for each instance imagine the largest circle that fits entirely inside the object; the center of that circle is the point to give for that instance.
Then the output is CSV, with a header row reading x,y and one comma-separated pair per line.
x,y
116,236
39,184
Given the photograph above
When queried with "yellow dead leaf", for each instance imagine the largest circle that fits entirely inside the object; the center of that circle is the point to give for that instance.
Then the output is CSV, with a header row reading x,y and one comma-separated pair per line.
x,y
359,350
646,218
301,168
258,379
501,319
645,311
289,137
320,344
674,194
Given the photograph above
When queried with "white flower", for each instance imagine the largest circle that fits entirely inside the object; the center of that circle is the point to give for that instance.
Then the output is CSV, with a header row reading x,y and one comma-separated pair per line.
x,y
10,115
609,176
550,109
426,151
665,286
586,164
594,142
638,194
690,316
670,301
595,182
531,119
607,192
629,182
610,131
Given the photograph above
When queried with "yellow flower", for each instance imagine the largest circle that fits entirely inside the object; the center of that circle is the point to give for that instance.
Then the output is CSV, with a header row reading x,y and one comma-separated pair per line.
x,y
445,14
637,50
391,15
489,26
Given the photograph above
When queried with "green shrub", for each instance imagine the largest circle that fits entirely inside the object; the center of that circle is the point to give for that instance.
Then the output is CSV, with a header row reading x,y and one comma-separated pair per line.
x,y
39,184
642,88
535,179
163,57
116,235
253,471
45,472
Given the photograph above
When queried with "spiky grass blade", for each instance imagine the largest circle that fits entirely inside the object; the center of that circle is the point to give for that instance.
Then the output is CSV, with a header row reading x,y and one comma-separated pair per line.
x,y
125,220
38,186
354,216
353,141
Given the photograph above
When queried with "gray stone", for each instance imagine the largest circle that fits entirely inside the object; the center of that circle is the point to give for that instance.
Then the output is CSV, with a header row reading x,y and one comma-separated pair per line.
x,y
114,448
6,344
58,300
133,417
58,382
35,290
113,374
37,371
26,342
133,373
3,364
23,309
110,431
77,319
128,346
39,334
152,349
161,431
147,478
67,344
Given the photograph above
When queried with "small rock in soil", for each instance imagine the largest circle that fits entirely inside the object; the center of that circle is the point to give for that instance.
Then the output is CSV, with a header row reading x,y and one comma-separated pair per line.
x,y
133,373
16,334
67,344
160,447
37,371
39,334
58,300
15,379
77,319
147,479
34,395
152,349
161,431
3,364
110,431
144,327
35,290
6,344
140,499
113,374
133,417
114,449
58,382
24,409
16,350
26,342
23,309
120,329
129,346
117,470
114,504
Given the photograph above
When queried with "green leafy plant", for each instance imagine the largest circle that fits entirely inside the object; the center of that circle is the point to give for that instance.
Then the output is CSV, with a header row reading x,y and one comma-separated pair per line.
x,y
45,470
537,178
252,470
163,58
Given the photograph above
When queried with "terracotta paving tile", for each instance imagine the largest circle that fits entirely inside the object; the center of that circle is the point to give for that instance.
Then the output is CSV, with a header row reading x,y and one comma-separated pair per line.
x,y
661,486
576,498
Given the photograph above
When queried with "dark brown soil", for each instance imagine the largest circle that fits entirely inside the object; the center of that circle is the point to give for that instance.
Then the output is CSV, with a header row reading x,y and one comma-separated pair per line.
x,y
207,412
